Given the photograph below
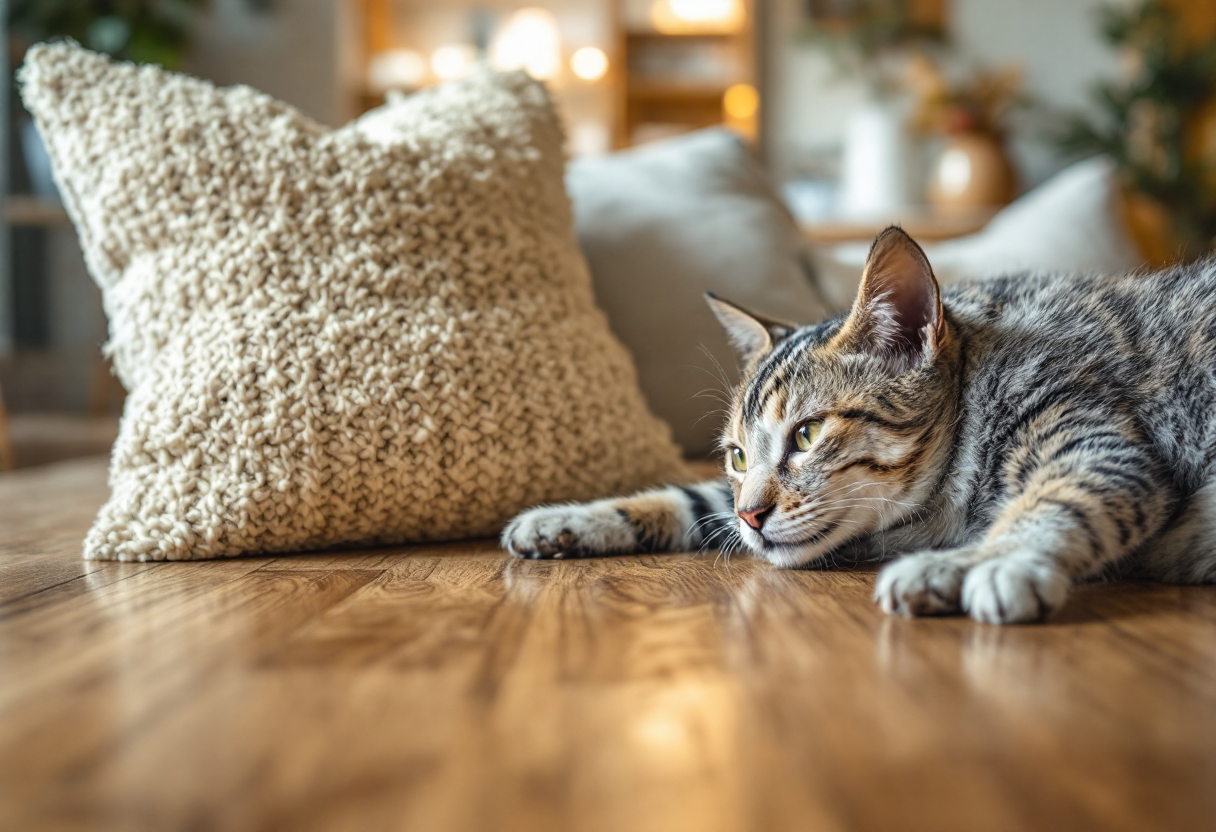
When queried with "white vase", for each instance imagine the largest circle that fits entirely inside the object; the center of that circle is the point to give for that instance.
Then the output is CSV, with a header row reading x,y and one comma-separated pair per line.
x,y
874,181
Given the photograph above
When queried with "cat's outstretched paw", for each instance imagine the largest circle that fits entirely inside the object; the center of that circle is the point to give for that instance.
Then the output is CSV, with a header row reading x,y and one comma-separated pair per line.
x,y
568,531
1014,590
997,588
929,583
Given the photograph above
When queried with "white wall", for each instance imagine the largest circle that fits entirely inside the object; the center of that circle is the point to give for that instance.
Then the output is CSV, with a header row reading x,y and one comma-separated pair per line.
x,y
1055,41
295,52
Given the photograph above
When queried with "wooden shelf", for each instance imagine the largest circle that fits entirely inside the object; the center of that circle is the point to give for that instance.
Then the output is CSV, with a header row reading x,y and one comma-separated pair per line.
x,y
668,90
653,34
35,211
680,78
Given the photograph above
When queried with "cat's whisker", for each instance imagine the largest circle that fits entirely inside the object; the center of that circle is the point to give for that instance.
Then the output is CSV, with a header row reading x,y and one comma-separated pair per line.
x,y
723,413
853,486
732,543
712,516
717,533
722,384
707,541
848,502
722,375
711,393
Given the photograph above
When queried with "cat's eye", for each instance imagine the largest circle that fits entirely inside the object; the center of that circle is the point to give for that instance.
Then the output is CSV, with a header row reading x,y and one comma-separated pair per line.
x,y
738,459
806,435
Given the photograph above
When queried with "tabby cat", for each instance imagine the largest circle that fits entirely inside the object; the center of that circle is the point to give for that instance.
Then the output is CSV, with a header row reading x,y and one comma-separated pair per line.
x,y
1014,436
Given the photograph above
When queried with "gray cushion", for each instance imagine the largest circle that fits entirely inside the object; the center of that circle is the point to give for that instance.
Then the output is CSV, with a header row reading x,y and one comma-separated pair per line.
x,y
661,225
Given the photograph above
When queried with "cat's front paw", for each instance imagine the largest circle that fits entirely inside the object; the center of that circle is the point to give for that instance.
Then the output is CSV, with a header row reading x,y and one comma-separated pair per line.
x,y
1014,590
994,585
568,531
928,583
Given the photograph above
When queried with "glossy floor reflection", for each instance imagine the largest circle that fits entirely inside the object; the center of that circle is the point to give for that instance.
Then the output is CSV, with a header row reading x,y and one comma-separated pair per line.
x,y
447,687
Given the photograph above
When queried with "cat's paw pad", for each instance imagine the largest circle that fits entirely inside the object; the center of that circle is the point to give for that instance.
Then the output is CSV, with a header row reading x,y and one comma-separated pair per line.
x,y
1012,590
567,532
924,584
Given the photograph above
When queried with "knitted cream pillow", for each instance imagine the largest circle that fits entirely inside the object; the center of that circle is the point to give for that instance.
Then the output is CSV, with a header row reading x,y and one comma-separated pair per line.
x,y
382,333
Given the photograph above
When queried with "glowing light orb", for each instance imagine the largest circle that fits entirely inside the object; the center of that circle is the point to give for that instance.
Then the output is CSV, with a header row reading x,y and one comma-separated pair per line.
x,y
453,61
529,40
589,63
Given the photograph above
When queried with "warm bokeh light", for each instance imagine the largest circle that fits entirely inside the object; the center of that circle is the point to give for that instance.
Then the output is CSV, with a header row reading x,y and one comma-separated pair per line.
x,y
589,63
683,16
740,102
453,61
954,172
700,11
529,40
396,69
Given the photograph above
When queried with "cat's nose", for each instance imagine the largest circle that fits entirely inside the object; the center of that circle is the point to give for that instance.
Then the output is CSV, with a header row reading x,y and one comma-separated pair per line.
x,y
755,517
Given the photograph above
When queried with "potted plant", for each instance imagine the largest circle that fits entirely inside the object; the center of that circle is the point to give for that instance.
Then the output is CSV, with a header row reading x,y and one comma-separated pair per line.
x,y
972,170
1158,124
143,31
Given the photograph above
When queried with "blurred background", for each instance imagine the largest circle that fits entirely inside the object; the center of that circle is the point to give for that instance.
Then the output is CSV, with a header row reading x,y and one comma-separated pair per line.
x,y
934,113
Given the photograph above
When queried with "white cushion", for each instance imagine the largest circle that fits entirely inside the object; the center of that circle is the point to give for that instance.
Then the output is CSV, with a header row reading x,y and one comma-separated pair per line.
x,y
1068,225
382,333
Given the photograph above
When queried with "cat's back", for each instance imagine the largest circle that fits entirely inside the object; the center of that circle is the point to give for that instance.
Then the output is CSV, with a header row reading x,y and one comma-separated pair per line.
x,y
1142,344
1162,314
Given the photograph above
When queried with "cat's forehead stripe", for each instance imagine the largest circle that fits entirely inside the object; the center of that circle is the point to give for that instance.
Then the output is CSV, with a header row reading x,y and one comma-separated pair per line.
x,y
772,399
785,357
786,360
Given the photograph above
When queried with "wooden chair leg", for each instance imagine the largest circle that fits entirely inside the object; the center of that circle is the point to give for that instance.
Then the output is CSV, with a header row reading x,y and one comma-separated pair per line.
x,y
7,461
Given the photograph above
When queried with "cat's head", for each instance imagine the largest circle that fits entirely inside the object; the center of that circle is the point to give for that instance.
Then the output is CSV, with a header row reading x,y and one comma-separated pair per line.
x,y
840,430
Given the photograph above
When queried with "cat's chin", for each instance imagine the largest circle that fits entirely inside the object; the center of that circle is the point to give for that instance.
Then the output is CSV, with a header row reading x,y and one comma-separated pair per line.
x,y
789,557
791,554
785,555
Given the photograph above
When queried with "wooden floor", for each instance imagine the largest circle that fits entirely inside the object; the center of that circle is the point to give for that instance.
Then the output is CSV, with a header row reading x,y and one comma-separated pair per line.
x,y
449,688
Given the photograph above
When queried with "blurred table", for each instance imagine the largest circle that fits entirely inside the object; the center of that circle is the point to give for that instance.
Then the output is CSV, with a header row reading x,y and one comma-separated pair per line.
x,y
922,222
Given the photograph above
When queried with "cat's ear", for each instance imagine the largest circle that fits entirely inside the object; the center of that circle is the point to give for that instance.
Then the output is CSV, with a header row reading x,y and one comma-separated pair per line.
x,y
752,336
898,312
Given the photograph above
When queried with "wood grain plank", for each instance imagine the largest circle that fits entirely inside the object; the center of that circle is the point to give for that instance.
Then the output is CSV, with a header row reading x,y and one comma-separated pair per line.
x,y
44,514
451,688
74,702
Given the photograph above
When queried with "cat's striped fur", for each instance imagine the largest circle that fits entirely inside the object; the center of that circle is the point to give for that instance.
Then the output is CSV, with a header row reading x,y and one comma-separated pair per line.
x,y
1015,436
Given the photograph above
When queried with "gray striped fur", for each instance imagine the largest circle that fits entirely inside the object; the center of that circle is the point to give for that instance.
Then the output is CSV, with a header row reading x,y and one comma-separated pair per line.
x,y
1023,434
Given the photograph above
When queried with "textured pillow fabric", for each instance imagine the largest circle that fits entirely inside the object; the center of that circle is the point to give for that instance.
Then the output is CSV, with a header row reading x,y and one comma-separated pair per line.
x,y
1069,225
660,226
382,333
